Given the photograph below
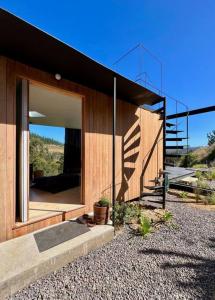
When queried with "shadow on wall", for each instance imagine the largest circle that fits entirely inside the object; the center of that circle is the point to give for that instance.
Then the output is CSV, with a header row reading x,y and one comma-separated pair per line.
x,y
130,152
204,269
129,132
147,159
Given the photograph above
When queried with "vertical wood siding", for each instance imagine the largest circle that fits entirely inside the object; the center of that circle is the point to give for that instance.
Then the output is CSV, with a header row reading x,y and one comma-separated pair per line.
x,y
138,155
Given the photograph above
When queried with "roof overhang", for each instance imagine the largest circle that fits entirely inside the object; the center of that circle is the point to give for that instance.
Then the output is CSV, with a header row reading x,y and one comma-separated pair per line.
x,y
27,44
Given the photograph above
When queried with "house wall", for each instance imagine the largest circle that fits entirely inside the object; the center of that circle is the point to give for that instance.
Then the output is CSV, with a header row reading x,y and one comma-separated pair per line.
x,y
137,161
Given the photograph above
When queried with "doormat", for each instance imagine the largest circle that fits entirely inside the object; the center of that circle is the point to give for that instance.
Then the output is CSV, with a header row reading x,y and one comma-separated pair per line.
x,y
56,235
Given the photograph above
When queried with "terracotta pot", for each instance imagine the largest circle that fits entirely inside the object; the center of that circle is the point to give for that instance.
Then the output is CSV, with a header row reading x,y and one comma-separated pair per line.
x,y
101,214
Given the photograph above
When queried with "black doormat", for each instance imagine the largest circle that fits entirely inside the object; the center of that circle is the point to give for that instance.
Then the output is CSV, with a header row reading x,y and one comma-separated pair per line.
x,y
58,234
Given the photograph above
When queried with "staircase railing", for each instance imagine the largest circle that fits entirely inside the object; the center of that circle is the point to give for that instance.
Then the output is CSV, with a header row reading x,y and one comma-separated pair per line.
x,y
163,110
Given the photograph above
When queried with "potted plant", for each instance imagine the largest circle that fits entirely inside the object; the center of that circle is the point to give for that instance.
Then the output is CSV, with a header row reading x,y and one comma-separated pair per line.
x,y
101,211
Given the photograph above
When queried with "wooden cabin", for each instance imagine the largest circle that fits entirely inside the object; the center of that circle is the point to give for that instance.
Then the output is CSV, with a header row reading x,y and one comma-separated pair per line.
x,y
45,82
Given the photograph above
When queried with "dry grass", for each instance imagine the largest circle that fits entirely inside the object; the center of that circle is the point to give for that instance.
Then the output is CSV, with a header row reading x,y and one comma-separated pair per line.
x,y
203,152
191,200
55,148
156,217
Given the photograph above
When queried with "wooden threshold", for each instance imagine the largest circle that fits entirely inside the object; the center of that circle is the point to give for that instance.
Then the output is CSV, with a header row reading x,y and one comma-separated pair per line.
x,y
53,218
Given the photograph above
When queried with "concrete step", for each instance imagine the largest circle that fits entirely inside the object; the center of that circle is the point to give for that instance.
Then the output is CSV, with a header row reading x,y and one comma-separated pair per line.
x,y
22,263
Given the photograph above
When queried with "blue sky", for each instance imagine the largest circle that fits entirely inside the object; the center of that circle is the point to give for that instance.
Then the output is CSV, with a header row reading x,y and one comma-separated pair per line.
x,y
57,133
180,33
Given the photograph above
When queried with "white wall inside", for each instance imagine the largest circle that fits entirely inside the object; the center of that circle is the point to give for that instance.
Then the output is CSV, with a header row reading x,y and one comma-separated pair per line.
x,y
58,108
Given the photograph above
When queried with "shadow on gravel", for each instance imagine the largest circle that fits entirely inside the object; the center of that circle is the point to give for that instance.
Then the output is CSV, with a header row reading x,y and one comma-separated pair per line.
x,y
211,243
204,268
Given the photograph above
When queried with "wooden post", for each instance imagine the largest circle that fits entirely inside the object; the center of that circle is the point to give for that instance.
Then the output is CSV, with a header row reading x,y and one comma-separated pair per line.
x,y
113,151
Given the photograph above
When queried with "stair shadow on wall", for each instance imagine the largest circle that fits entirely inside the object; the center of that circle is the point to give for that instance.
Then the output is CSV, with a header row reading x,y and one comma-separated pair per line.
x,y
130,153
148,158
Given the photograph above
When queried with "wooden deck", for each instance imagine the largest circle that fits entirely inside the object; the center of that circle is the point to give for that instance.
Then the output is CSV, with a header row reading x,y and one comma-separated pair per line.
x,y
46,204
47,209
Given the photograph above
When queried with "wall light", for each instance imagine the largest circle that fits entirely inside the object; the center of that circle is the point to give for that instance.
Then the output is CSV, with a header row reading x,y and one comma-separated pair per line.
x,y
57,76
36,114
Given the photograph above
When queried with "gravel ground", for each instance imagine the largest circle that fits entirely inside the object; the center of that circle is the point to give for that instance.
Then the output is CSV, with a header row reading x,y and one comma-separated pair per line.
x,y
174,263
211,184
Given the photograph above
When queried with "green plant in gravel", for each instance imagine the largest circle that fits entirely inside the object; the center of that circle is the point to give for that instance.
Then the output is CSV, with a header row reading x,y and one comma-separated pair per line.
x,y
210,175
167,219
167,216
211,199
202,184
145,226
119,213
132,211
126,212
199,166
199,175
213,174
183,195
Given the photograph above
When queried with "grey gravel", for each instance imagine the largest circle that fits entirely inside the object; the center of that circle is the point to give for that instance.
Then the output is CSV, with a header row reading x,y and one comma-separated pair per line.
x,y
211,184
172,263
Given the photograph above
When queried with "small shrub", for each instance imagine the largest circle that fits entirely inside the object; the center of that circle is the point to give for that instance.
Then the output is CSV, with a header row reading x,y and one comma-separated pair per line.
x,y
132,211
210,175
188,160
145,226
202,184
125,212
199,166
167,216
211,199
213,174
119,213
183,195
199,175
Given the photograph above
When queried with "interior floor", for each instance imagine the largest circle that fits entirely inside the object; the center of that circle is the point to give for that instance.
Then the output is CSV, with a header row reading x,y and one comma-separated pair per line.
x,y
70,196
43,204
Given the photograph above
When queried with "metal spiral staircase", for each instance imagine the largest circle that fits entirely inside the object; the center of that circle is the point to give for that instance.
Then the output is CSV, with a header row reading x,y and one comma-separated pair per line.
x,y
171,131
171,153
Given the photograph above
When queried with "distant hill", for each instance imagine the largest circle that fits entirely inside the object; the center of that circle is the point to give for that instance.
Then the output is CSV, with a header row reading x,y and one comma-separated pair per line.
x,y
52,145
200,155
46,140
205,154
46,154
55,148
